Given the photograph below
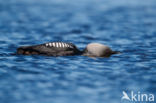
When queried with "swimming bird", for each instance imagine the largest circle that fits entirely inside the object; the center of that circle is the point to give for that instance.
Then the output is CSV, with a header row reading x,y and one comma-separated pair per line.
x,y
66,49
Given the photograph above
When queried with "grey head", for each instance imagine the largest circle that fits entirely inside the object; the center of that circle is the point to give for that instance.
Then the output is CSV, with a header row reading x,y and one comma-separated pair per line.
x,y
98,50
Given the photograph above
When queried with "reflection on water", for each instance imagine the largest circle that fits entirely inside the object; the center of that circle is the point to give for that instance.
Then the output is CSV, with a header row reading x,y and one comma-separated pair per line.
x,y
126,26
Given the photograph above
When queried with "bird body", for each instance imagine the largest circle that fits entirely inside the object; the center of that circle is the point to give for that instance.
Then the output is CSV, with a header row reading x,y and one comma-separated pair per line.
x,y
50,49
65,49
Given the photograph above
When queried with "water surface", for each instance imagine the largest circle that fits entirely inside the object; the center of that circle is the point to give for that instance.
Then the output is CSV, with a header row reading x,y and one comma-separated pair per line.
x,y
128,26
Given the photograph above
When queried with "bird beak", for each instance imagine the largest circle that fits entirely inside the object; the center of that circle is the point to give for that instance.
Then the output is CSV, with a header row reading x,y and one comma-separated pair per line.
x,y
116,52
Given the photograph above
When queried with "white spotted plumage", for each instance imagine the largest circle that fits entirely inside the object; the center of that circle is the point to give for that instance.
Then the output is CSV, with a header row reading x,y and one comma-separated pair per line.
x,y
65,45
50,44
59,45
53,44
47,44
62,45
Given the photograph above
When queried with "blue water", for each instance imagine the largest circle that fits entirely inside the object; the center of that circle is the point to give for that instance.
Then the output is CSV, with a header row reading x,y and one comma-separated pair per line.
x,y
128,26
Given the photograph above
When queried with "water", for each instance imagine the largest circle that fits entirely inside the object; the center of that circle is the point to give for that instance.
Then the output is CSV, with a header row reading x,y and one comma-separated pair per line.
x,y
128,26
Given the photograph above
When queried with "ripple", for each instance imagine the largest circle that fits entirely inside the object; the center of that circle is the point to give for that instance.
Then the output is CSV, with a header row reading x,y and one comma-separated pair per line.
x,y
126,26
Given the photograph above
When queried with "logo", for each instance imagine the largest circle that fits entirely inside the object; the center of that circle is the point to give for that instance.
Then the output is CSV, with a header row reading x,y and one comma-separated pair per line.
x,y
141,97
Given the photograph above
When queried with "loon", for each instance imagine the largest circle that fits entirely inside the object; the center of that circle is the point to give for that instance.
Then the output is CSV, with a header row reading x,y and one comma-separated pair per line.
x,y
66,49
